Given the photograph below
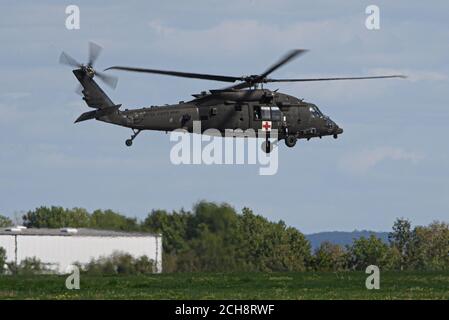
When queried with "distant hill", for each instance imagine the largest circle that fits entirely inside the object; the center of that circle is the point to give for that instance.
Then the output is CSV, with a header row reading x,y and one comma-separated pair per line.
x,y
342,238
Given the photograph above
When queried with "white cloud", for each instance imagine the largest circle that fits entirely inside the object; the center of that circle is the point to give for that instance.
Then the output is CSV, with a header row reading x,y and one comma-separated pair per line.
x,y
247,35
362,161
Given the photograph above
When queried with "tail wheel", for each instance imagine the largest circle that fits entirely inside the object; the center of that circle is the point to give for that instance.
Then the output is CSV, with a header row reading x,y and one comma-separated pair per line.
x,y
290,141
129,143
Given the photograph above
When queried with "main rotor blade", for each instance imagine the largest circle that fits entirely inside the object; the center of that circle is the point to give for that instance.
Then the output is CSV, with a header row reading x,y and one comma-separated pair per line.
x,y
108,79
338,78
64,58
94,52
202,76
244,85
289,56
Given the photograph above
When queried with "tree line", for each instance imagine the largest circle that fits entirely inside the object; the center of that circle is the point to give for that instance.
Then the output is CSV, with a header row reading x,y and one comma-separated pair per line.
x,y
216,238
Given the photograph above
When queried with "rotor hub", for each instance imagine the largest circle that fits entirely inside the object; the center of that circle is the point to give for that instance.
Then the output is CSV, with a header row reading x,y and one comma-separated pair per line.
x,y
90,71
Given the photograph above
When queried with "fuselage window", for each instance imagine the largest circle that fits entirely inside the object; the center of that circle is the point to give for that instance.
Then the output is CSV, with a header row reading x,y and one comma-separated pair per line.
x,y
276,114
257,113
266,114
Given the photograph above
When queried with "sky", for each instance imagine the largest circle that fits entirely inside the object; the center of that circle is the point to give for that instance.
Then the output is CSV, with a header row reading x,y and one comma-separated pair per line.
x,y
391,161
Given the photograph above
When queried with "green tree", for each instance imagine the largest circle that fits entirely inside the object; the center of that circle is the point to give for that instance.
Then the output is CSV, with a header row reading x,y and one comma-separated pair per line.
x,y
119,263
401,239
430,247
368,251
214,237
330,257
28,266
5,222
111,220
56,217
172,226
213,230
269,246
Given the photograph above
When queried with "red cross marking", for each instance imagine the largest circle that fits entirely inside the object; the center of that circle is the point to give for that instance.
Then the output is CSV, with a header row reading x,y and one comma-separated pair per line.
x,y
266,125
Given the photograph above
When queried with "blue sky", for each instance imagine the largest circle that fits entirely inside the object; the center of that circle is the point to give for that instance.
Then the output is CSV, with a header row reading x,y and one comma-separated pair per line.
x,y
391,161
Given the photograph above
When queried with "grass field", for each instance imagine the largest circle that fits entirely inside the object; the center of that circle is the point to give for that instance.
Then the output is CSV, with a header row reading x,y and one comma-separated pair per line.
x,y
309,285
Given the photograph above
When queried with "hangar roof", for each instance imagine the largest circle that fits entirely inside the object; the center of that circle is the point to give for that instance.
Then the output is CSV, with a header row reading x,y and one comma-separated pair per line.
x,y
71,232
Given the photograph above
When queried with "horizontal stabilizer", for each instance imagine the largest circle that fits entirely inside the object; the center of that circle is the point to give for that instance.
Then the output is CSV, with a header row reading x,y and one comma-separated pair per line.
x,y
86,116
98,113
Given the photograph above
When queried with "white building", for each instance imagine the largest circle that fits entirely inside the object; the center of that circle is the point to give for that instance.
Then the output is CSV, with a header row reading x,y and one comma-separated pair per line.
x,y
60,248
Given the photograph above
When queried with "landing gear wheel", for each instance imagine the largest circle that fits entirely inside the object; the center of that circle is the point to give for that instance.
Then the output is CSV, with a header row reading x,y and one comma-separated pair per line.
x,y
267,147
129,142
290,141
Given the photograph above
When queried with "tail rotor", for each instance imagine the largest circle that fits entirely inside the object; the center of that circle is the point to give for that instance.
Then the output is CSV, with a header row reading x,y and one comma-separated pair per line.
x,y
94,53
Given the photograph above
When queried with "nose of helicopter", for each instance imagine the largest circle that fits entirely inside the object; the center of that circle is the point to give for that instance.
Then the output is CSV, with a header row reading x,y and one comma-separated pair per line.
x,y
332,128
337,131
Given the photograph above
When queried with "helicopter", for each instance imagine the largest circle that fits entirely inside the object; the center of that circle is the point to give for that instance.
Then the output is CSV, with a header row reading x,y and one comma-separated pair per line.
x,y
244,105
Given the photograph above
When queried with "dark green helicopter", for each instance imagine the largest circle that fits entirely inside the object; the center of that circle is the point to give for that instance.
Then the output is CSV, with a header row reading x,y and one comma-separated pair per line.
x,y
244,105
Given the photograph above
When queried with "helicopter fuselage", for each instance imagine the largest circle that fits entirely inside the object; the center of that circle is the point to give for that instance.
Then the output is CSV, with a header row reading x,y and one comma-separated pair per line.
x,y
231,110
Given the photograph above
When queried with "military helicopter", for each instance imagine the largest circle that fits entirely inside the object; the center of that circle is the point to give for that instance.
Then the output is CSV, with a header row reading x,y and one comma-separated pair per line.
x,y
243,105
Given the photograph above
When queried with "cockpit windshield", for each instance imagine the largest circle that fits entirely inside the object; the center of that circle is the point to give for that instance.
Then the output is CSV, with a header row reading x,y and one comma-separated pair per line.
x,y
315,111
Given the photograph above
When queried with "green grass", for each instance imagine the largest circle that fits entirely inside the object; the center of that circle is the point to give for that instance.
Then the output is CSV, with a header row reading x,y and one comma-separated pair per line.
x,y
307,285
